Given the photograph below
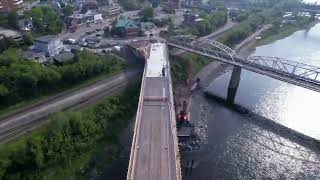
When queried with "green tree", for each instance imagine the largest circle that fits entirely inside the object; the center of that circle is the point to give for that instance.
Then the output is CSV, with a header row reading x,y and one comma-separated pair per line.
x,y
27,39
13,20
3,90
67,11
147,13
106,31
130,4
35,153
45,20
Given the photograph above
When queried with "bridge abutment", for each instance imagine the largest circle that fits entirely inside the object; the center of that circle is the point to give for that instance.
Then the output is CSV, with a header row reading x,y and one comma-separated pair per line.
x,y
233,84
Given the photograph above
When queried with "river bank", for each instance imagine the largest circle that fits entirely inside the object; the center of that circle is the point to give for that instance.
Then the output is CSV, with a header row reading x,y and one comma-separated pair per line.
x,y
236,148
269,35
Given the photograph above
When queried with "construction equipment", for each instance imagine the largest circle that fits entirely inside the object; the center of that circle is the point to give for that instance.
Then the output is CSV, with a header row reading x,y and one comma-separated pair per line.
x,y
183,114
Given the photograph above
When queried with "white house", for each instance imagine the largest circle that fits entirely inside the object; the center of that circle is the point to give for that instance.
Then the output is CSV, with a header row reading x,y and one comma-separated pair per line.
x,y
50,44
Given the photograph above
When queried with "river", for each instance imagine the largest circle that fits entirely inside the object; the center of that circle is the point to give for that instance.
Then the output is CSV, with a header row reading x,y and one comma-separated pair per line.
x,y
311,1
241,145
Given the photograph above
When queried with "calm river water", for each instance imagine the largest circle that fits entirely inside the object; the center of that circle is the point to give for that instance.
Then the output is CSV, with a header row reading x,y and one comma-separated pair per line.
x,y
243,147
289,105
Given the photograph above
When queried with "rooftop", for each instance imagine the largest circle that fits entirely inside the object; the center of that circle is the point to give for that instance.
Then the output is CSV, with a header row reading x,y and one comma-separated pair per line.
x,y
125,23
46,39
66,56
31,53
9,32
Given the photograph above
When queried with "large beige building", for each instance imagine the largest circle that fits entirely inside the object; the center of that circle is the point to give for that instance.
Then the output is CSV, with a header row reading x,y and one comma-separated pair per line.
x,y
8,5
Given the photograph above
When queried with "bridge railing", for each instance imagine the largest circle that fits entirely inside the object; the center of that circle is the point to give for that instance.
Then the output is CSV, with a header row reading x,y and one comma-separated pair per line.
x,y
297,69
133,154
281,66
206,50
173,122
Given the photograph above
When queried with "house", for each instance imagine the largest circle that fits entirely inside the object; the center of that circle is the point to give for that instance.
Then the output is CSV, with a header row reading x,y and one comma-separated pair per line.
x,y
25,24
39,57
80,19
92,16
191,19
7,33
288,17
114,10
304,14
63,58
93,42
50,44
9,5
129,27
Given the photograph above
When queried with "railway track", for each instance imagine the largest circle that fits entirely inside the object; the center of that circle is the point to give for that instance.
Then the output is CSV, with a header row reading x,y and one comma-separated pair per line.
x,y
20,129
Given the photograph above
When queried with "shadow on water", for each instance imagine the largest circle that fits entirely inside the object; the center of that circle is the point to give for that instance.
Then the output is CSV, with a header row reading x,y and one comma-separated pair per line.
x,y
270,125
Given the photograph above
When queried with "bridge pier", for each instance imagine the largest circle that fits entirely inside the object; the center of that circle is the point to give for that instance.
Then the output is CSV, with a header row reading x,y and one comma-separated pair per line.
x,y
233,84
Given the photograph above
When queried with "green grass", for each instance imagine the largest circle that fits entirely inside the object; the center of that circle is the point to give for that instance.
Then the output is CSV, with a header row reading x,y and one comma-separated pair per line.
x,y
183,68
280,35
283,32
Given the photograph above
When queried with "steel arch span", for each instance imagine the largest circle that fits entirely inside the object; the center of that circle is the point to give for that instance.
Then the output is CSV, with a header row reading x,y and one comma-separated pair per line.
x,y
301,70
206,45
293,72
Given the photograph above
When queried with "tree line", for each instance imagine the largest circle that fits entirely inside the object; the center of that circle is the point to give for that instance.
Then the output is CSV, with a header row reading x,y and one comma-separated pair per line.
x,y
247,27
67,136
21,79
131,5
44,20
210,23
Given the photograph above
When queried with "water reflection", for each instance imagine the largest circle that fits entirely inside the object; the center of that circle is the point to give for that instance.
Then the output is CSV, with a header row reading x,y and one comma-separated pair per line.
x,y
287,104
311,1
243,147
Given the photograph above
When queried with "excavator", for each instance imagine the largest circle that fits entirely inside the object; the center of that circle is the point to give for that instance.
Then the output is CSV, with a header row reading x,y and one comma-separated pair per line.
x,y
183,116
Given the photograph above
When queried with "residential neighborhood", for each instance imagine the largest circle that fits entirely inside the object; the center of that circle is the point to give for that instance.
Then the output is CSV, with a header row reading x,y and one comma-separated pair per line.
x,y
167,90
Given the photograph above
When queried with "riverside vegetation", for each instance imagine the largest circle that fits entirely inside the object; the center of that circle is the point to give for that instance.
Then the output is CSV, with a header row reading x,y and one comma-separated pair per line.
x,y
184,68
70,141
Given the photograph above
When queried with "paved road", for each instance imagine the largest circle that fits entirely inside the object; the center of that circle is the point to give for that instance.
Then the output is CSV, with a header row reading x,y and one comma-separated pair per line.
x,y
155,157
65,100
214,35
153,151
81,30
251,37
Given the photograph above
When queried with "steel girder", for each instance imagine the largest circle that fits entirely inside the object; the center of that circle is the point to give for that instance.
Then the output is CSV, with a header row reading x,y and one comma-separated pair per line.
x,y
295,69
214,49
205,45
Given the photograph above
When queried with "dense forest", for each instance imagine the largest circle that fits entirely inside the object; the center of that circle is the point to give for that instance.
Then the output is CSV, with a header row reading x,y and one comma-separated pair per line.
x,y
67,136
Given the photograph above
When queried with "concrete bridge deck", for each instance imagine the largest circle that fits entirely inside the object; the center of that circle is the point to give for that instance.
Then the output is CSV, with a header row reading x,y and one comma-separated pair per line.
x,y
154,153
